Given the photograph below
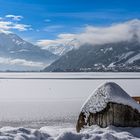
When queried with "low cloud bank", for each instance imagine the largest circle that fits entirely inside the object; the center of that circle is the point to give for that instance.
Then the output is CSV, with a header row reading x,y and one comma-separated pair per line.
x,y
21,62
96,35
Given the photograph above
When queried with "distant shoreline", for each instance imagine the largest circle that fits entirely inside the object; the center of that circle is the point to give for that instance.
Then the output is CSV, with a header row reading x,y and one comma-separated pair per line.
x,y
115,78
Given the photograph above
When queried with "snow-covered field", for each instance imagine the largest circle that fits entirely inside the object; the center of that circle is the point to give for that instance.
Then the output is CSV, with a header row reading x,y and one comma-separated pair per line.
x,y
42,106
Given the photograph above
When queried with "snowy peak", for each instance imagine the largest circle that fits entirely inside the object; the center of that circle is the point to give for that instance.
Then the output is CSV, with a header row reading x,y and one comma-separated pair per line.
x,y
63,46
59,49
10,40
108,92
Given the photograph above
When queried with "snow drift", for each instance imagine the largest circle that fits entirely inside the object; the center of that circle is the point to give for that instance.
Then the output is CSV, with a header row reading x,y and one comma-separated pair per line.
x,y
92,133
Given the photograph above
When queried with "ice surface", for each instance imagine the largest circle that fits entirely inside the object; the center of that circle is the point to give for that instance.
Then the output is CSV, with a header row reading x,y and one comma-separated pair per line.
x,y
26,99
91,133
108,92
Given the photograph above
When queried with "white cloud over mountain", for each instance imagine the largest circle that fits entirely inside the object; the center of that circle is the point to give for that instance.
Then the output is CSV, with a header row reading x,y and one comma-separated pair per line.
x,y
96,35
62,39
114,33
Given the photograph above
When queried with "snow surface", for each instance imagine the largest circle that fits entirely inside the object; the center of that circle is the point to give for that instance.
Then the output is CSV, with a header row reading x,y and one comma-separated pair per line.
x,y
125,55
136,57
108,92
111,65
108,49
91,133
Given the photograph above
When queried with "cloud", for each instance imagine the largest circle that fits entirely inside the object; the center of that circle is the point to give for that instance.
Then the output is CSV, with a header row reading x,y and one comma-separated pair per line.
x,y
7,26
114,33
21,27
53,28
47,20
110,14
14,17
21,62
124,31
62,40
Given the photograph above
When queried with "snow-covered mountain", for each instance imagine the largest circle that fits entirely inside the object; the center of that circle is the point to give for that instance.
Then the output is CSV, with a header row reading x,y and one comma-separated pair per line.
x,y
18,54
59,49
120,56
62,48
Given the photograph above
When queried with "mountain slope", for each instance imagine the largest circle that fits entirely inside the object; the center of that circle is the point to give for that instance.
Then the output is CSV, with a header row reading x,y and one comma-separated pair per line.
x,y
12,48
121,56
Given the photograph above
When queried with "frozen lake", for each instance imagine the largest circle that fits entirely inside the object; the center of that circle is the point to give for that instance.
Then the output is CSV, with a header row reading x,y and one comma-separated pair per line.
x,y
50,98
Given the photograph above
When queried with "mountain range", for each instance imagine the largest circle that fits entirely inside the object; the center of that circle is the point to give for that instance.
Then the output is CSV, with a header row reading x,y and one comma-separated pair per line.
x,y
117,56
18,54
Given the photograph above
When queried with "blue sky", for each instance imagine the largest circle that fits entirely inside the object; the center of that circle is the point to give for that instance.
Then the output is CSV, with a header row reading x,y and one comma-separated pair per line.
x,y
46,19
